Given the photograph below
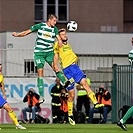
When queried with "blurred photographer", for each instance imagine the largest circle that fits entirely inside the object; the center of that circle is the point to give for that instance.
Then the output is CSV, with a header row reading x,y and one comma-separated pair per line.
x,y
64,106
55,101
104,97
33,105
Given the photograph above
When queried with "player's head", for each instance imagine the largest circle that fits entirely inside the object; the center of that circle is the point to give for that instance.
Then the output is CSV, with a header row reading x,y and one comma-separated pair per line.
x,y
52,20
0,68
63,35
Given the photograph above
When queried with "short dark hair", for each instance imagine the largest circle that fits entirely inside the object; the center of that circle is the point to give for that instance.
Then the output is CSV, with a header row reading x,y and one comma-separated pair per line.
x,y
51,16
62,30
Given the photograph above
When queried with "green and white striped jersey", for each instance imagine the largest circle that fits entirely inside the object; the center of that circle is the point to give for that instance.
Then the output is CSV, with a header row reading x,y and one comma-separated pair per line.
x,y
45,37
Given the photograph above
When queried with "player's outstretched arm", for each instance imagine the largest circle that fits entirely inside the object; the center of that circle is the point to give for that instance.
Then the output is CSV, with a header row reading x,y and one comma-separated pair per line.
x,y
21,34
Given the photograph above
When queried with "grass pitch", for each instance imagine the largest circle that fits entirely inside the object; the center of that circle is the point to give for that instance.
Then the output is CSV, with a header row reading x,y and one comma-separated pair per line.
x,y
65,128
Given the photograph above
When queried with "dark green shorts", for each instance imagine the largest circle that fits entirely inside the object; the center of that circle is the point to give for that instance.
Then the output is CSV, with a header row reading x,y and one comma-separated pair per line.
x,y
41,57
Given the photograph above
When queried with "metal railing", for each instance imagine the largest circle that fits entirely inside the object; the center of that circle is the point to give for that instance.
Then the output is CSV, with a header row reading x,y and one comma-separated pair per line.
x,y
122,88
99,68
19,62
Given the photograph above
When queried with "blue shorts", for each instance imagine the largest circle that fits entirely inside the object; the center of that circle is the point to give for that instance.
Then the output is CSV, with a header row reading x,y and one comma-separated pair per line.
x,y
74,74
2,101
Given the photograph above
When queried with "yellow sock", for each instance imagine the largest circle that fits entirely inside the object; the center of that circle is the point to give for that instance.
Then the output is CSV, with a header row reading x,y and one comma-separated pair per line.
x,y
92,97
13,117
70,108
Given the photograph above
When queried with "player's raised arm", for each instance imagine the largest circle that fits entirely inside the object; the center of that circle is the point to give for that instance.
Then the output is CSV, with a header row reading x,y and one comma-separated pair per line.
x,y
21,34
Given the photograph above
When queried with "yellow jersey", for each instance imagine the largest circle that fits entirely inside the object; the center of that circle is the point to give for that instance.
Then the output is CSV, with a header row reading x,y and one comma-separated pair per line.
x,y
1,79
67,56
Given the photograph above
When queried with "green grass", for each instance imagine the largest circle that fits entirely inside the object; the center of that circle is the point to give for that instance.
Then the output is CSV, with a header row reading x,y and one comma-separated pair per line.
x,y
65,128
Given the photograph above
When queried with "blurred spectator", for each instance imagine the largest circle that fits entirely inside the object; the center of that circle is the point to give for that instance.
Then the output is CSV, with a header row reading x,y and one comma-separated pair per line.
x,y
64,106
55,102
83,99
103,96
33,105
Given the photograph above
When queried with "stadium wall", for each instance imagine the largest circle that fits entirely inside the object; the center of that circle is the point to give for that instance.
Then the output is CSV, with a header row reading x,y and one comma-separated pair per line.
x,y
95,51
92,43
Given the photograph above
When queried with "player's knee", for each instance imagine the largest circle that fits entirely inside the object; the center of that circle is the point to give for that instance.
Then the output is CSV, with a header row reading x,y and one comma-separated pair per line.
x,y
71,94
85,85
7,107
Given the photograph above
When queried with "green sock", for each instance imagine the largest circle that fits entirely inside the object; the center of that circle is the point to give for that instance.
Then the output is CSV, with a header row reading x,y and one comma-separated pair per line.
x,y
40,86
61,76
128,114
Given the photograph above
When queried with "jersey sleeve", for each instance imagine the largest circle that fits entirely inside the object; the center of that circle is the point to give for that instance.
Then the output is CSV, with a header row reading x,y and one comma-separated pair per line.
x,y
56,30
35,27
1,79
56,48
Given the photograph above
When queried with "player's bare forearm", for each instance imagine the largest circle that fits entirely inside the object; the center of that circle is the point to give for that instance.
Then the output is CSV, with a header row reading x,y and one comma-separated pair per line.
x,y
59,41
56,68
55,58
21,34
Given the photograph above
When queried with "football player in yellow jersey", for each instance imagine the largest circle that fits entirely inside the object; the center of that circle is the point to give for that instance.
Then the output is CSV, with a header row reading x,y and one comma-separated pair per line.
x,y
73,73
5,105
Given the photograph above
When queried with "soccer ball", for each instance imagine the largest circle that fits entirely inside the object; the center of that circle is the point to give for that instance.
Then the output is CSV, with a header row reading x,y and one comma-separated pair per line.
x,y
130,57
72,26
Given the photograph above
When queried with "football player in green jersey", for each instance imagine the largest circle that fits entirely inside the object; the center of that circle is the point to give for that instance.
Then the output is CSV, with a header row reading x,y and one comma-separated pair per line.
x,y
122,122
43,50
130,54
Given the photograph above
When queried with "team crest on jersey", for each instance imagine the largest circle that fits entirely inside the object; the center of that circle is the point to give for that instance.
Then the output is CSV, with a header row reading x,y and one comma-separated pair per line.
x,y
66,48
46,35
